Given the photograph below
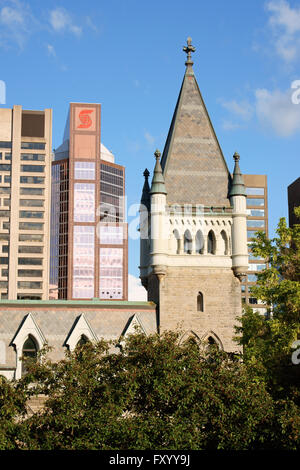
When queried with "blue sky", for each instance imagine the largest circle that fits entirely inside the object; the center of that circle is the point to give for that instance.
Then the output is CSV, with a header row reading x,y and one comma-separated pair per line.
x,y
128,56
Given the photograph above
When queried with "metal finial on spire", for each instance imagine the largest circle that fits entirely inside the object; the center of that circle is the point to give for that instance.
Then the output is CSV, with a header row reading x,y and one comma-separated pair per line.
x,y
236,157
188,50
146,173
157,154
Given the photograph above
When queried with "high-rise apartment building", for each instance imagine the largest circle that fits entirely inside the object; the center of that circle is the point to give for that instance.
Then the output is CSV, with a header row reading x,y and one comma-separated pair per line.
x,y
257,219
25,165
88,233
293,201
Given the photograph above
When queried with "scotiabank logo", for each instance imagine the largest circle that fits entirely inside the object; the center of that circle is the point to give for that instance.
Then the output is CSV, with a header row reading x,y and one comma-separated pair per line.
x,y
84,117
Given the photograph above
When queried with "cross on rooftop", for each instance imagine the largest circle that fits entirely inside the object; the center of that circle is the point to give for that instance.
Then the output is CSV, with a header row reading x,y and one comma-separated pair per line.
x,y
188,50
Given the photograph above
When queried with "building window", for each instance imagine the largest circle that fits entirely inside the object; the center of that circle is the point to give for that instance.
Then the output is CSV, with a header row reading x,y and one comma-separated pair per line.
x,y
29,351
5,190
257,212
28,297
256,267
211,243
30,285
255,202
251,234
84,202
224,241
187,242
31,215
255,191
33,157
32,179
30,273
31,261
256,223
83,262
30,249
33,168
31,191
82,341
84,170
199,240
4,167
4,213
252,278
200,304
111,273
30,226
28,237
111,234
176,241
32,202
33,145
5,145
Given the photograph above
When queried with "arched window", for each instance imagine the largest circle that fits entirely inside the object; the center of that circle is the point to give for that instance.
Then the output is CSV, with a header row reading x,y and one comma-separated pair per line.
x,y
211,341
29,350
224,241
82,340
187,244
211,243
176,238
200,304
199,240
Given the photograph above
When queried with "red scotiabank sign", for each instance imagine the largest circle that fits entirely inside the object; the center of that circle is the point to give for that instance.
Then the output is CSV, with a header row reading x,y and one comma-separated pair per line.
x,y
85,119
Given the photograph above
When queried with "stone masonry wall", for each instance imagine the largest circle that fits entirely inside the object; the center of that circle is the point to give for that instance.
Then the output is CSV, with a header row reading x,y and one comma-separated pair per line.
x,y
178,302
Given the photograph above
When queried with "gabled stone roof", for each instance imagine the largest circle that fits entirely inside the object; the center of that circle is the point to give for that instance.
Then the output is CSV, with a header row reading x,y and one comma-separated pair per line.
x,y
193,164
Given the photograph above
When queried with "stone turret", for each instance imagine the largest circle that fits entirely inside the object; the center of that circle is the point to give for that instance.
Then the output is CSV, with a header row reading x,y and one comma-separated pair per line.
x,y
237,197
144,229
159,229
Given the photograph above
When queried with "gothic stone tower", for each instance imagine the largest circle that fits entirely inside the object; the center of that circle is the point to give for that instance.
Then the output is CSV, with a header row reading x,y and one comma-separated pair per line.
x,y
193,226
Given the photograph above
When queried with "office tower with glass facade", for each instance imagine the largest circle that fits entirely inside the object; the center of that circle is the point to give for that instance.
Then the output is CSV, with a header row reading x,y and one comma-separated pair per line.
x,y
25,166
257,220
88,233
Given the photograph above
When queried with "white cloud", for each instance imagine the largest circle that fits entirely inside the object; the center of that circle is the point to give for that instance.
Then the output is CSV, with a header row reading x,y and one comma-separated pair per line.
x,y
228,125
51,50
150,139
90,24
16,23
61,21
135,289
243,109
284,16
275,110
285,24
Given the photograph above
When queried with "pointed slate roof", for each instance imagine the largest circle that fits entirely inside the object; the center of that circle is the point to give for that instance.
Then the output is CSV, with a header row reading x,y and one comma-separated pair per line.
x,y
158,182
193,164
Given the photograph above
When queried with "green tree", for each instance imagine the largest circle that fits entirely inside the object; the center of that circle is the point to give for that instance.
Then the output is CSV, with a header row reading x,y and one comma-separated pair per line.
x,y
13,399
267,342
156,393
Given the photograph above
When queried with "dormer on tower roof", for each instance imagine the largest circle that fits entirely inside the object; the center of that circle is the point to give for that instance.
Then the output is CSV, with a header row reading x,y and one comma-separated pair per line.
x,y
193,165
